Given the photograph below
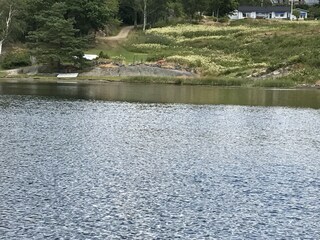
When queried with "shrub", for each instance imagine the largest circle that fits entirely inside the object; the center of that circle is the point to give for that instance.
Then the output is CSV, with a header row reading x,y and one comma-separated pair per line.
x,y
15,59
155,58
312,58
165,23
118,59
104,55
223,20
157,39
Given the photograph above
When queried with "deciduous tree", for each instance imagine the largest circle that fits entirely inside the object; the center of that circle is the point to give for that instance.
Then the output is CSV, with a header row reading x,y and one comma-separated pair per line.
x,y
222,7
129,11
9,19
194,7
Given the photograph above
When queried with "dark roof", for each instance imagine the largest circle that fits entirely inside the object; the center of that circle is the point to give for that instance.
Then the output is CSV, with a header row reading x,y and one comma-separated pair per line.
x,y
301,10
267,9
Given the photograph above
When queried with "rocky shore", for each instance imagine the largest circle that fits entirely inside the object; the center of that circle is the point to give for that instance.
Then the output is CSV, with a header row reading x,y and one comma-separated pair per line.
x,y
114,70
147,73
136,70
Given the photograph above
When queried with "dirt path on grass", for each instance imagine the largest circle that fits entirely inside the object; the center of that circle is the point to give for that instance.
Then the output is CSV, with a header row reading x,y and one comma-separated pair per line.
x,y
123,34
115,41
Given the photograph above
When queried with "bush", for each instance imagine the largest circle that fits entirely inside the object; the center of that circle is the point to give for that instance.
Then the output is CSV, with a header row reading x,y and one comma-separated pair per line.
x,y
118,59
165,23
153,38
312,58
223,20
16,59
155,58
104,55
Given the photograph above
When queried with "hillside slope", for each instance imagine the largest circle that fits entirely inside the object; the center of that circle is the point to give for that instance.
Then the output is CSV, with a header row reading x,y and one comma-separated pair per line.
x,y
254,49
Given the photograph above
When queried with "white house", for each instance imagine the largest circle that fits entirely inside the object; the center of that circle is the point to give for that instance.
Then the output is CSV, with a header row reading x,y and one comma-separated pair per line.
x,y
303,13
311,2
268,12
296,2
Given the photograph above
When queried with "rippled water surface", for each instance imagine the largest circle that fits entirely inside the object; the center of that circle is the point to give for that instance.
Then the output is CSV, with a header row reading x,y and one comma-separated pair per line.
x,y
76,169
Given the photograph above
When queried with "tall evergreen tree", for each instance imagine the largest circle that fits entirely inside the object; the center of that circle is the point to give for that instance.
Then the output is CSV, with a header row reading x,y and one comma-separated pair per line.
x,y
54,41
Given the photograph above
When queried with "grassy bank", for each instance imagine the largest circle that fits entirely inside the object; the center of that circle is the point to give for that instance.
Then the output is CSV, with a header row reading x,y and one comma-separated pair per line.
x,y
239,50
207,81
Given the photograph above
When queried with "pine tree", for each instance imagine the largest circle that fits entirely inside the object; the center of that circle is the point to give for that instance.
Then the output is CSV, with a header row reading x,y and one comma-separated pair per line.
x,y
55,40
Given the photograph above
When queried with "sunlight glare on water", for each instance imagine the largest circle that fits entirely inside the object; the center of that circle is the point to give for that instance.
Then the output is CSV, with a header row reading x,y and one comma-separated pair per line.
x,y
76,169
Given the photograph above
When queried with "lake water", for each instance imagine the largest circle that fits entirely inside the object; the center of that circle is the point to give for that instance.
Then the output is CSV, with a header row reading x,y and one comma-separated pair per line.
x,y
74,167
151,93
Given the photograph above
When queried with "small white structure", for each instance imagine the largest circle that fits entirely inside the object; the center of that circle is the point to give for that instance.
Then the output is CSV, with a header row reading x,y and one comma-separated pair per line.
x,y
296,2
303,13
269,12
90,57
311,2
68,75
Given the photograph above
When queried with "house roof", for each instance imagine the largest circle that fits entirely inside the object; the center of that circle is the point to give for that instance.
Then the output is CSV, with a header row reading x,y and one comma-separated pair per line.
x,y
301,10
266,9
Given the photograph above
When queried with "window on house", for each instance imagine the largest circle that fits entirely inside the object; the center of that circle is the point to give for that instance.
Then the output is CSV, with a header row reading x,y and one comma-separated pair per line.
x,y
279,14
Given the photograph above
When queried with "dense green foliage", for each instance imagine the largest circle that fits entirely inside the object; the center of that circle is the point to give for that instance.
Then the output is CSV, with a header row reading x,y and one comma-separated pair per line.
x,y
91,15
54,41
15,58
56,31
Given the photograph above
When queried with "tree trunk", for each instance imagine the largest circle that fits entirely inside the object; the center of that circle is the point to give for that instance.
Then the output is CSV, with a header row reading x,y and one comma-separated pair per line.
x,y
135,18
218,15
7,27
1,42
144,14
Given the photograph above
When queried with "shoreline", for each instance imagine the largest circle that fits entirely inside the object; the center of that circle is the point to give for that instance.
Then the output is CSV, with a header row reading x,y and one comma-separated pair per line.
x,y
214,82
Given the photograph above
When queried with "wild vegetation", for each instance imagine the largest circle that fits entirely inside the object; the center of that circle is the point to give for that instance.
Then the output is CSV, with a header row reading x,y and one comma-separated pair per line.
x,y
242,49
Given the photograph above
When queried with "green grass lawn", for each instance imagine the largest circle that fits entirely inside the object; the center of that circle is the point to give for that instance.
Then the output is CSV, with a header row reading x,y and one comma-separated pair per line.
x,y
118,51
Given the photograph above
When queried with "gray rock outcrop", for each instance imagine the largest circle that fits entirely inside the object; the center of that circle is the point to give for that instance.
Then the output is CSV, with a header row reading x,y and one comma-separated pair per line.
x,y
137,70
